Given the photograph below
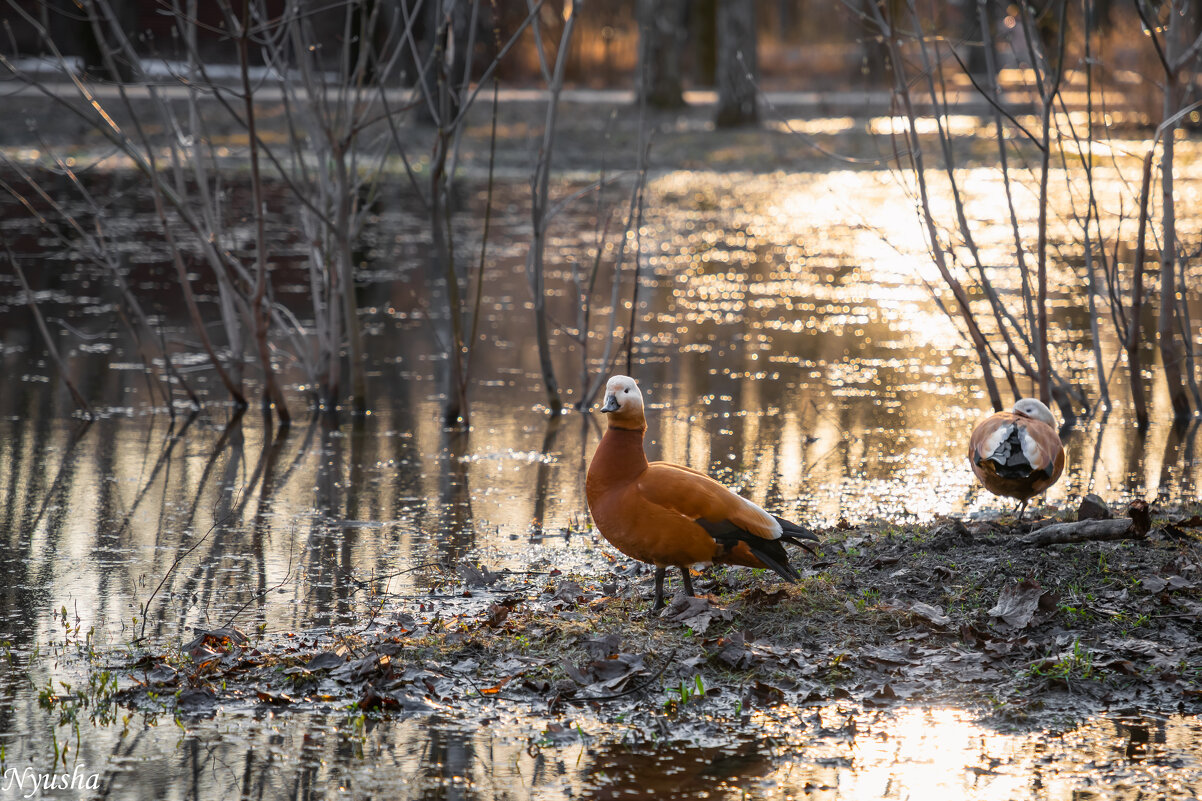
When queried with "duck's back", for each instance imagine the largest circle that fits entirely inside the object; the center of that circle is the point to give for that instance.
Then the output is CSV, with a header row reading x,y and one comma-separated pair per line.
x,y
1015,455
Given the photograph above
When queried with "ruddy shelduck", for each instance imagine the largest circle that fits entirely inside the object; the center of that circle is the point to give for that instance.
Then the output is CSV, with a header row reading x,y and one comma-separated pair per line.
x,y
1017,453
671,516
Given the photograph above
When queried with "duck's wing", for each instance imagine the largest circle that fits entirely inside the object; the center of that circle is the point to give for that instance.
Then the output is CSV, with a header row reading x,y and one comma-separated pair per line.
x,y
1000,445
990,436
1042,447
698,497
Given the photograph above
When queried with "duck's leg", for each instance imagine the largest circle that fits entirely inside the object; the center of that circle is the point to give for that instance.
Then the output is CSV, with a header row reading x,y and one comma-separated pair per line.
x,y
688,581
660,572
1022,508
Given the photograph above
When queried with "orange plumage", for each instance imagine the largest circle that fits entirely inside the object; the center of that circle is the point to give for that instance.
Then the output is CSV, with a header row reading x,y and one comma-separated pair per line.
x,y
1018,453
668,515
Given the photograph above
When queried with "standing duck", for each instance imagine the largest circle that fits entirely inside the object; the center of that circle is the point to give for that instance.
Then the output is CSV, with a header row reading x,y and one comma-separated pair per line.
x,y
1017,453
670,516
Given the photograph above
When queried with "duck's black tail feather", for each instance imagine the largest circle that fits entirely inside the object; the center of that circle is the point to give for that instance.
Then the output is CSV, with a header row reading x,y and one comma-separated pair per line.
x,y
797,535
771,552
773,555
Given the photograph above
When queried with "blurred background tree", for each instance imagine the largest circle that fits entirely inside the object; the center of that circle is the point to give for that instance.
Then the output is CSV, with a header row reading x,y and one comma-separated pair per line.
x,y
659,82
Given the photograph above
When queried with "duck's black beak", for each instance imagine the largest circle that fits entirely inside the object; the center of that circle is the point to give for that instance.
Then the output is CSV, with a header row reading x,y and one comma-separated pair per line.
x,y
611,404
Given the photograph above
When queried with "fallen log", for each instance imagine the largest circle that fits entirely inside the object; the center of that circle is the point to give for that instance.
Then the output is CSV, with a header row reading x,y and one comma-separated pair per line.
x,y
1082,531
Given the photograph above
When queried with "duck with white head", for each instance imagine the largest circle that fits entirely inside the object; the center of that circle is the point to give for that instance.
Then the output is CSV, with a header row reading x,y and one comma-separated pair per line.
x,y
669,515
1017,454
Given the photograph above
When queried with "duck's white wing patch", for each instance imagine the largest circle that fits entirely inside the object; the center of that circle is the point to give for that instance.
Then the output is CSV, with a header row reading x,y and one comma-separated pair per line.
x,y
1031,449
994,440
770,522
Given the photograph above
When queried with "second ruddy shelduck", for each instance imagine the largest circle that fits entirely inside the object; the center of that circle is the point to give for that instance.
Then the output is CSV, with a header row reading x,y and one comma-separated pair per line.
x,y
1017,453
671,516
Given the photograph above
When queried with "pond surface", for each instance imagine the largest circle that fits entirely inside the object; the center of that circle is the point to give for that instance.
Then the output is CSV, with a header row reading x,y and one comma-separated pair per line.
x,y
786,343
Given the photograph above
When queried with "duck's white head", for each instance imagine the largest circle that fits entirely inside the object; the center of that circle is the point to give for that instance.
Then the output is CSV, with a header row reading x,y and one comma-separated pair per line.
x,y
624,403
1036,410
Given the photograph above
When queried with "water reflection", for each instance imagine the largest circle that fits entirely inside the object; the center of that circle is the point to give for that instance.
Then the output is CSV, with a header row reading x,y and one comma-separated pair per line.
x,y
783,345
918,753
827,754
728,771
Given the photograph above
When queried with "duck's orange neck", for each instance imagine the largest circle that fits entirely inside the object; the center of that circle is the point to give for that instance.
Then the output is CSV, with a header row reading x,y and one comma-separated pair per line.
x,y
619,457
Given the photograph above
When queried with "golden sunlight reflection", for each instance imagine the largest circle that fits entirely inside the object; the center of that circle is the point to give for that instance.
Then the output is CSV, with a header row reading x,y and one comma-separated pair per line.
x,y
839,754
810,331
946,753
936,753
813,126
955,124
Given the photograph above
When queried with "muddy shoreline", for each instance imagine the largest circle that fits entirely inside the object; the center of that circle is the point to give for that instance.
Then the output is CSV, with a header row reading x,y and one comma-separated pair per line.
x,y
953,613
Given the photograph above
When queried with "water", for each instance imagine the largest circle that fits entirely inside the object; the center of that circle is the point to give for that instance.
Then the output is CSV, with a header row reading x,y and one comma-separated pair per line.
x,y
784,344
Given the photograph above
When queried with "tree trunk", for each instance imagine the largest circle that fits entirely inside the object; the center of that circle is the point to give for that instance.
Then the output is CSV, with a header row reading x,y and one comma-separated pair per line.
x,y
93,40
366,22
703,34
350,307
977,31
441,33
1132,345
273,395
1042,352
1170,346
1171,353
540,184
738,67
661,28
455,411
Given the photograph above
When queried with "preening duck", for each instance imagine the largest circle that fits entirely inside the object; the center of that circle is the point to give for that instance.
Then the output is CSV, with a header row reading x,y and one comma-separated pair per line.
x,y
671,516
1018,453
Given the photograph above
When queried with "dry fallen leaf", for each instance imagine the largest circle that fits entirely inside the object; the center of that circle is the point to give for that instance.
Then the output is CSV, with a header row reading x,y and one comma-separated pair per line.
x,y
496,688
1017,603
694,613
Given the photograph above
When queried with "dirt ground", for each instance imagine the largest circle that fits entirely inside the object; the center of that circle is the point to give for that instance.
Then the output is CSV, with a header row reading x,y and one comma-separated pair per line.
x,y
958,612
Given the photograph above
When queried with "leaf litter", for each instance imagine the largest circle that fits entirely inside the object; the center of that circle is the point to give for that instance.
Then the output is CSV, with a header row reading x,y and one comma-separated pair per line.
x,y
944,614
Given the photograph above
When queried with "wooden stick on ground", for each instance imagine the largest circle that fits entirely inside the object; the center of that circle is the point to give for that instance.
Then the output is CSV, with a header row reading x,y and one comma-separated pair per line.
x,y
1082,531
